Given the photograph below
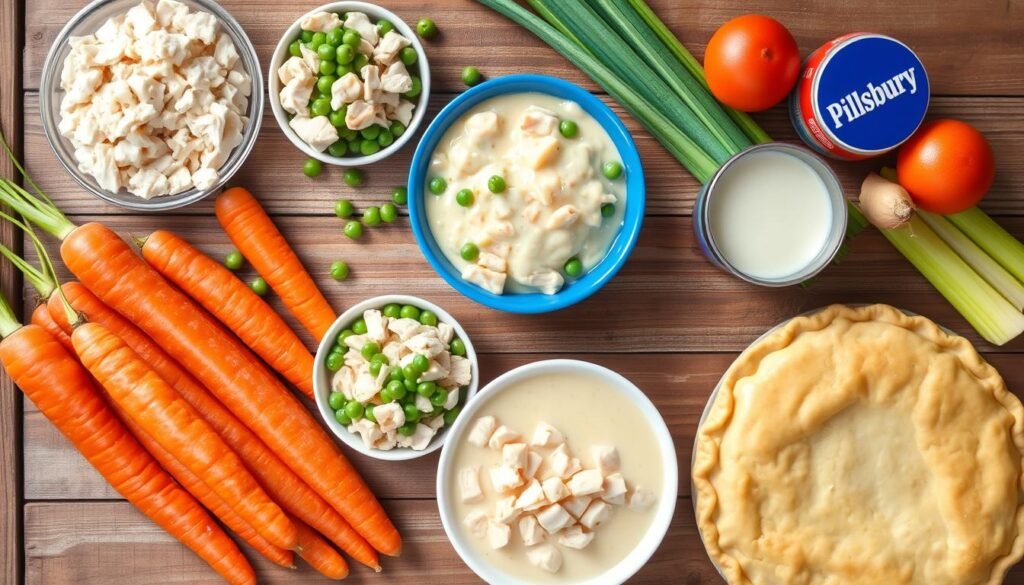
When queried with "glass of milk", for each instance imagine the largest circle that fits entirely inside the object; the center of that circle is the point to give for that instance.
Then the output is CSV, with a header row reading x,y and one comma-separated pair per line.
x,y
773,215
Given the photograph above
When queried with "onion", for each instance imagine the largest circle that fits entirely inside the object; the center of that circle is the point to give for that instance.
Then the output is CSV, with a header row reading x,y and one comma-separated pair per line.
x,y
886,204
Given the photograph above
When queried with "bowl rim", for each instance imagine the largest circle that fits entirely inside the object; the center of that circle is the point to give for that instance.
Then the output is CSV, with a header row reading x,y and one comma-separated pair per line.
x,y
321,392
623,243
663,513
274,84
225,172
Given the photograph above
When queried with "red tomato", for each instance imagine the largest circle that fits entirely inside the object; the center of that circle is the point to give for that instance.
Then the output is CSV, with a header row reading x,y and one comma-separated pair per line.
x,y
947,166
752,63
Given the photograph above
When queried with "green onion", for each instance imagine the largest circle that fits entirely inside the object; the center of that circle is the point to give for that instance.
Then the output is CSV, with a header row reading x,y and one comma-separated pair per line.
x,y
1001,280
676,142
1005,249
983,307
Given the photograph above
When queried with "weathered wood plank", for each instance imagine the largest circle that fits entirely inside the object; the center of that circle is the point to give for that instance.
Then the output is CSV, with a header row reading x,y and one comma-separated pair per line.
x,y
274,169
989,27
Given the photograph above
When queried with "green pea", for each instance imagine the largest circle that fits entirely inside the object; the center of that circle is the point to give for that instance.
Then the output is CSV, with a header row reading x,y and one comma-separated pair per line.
x,y
371,216
234,260
312,168
325,52
409,56
386,138
388,212
371,133
370,349
379,358
568,128
335,36
458,347
345,334
395,375
334,362
324,84
341,417
451,415
573,267
384,27
392,310
359,327
355,409
439,397
295,49
343,208
344,55
437,185
338,149
409,428
410,386
337,349
347,134
400,196
395,390
339,270
306,36
412,414
469,252
612,170
410,312
337,119
328,67
351,38
321,106
353,177
417,87
608,210
426,389
318,39
354,230
426,28
355,145
397,128
410,373
375,368
336,400
420,361
464,197
360,61
428,318
471,76
259,286
368,413
496,184
369,147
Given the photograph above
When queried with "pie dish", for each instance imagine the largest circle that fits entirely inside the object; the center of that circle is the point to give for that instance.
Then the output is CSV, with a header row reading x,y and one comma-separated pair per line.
x,y
861,445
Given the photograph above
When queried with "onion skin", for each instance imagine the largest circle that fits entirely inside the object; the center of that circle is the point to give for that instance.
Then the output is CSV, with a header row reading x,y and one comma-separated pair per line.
x,y
887,205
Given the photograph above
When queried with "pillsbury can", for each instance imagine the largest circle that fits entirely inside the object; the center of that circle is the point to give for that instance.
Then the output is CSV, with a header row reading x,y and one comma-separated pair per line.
x,y
860,95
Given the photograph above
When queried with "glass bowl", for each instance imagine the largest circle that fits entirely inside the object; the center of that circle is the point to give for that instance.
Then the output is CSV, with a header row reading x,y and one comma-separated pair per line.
x,y
86,22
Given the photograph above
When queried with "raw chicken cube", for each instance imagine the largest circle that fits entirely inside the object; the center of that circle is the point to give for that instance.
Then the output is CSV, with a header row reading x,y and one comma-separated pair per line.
x,y
502,436
596,514
347,89
515,455
532,497
574,537
321,22
505,510
469,484
641,499
546,435
389,46
533,462
554,489
498,534
482,430
539,121
505,479
554,518
545,556
530,530
543,153
614,489
317,132
476,522
562,463
606,458
576,506
586,482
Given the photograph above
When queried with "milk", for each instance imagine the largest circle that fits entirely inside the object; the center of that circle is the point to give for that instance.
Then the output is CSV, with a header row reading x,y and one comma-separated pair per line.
x,y
770,215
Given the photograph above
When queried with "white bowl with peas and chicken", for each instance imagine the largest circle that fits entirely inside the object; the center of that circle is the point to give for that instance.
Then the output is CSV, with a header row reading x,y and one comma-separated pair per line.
x,y
349,83
392,374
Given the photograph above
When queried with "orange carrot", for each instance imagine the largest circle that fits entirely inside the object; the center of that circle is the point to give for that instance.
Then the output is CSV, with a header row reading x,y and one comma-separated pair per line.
x,y
105,264
287,489
64,392
232,302
259,240
41,317
319,554
163,415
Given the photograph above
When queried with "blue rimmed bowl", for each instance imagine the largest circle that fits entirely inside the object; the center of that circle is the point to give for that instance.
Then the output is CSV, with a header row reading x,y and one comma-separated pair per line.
x,y
633,216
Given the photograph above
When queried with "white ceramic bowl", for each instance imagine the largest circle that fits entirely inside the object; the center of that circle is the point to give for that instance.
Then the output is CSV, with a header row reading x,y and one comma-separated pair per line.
x,y
281,55
635,560
322,377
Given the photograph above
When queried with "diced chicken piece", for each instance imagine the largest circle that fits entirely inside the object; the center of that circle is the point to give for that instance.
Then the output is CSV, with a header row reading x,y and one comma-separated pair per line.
x,y
180,180
148,183
532,497
426,343
104,168
501,230
365,47
576,505
294,68
530,530
549,282
481,431
641,499
489,280
498,534
365,387
347,89
596,514
482,125
423,404
586,482
359,22
310,57
476,522
562,217
539,121
389,416
445,332
357,342
562,463
501,436
505,510
205,178
505,479
614,489
389,47
546,435
140,19
492,262
167,12
574,537
201,25
435,372
543,153
460,372
323,22
396,78
435,423
421,437
514,455
533,463
554,489
371,81
554,518
394,351
606,458
404,328
225,53
366,429
545,557
360,115
531,212
469,484
388,442
453,399
403,112
375,325
294,97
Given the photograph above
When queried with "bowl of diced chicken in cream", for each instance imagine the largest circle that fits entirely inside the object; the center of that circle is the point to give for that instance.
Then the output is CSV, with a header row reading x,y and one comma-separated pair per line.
x,y
349,83
152,104
392,374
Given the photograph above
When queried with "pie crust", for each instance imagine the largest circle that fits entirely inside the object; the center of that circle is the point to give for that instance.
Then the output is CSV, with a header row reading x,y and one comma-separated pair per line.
x,y
861,446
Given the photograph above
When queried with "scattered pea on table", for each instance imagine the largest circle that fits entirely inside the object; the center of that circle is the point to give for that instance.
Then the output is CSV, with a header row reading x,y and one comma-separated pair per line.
x,y
339,270
471,76
343,208
400,196
259,286
426,28
353,230
234,260
371,216
353,177
312,168
388,212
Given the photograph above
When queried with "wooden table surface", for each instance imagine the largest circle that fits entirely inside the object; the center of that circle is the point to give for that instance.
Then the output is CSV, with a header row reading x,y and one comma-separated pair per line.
x,y
670,322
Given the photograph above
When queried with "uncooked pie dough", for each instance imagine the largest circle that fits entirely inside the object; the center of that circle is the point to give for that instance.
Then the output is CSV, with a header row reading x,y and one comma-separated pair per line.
x,y
861,446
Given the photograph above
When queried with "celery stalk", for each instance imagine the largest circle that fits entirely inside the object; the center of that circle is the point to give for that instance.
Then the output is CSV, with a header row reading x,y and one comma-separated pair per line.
x,y
1001,280
985,309
991,237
